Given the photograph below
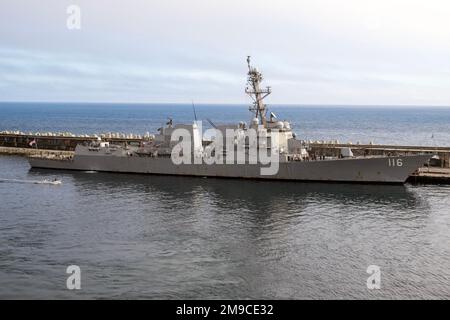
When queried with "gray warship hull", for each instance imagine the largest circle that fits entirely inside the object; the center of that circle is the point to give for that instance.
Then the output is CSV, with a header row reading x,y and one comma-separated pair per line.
x,y
360,170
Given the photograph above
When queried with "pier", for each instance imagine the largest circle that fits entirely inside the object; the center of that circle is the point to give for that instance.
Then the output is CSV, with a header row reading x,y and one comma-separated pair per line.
x,y
61,145
35,152
333,149
63,141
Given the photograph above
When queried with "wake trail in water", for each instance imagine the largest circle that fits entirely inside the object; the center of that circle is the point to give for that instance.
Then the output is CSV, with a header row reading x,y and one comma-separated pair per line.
x,y
45,181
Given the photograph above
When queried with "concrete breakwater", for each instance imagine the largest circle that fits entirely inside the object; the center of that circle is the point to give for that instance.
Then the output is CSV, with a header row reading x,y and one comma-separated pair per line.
x,y
68,142
35,152
63,141
441,159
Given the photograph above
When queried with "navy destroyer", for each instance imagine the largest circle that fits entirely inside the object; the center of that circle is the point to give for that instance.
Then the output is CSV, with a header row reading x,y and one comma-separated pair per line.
x,y
265,148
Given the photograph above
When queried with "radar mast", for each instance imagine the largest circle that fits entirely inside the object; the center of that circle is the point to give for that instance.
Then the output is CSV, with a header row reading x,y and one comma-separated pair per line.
x,y
254,90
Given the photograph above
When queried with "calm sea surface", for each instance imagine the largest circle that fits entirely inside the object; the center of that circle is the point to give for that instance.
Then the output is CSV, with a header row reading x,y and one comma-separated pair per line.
x,y
417,126
157,237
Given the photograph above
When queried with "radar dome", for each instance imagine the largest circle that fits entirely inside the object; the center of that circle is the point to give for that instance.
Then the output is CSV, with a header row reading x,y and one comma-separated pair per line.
x,y
280,125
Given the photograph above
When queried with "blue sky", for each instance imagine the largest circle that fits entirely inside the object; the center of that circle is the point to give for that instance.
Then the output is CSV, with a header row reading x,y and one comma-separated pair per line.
x,y
383,52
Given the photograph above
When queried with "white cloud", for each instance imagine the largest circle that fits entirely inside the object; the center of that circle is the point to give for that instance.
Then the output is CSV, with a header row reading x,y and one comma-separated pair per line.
x,y
322,51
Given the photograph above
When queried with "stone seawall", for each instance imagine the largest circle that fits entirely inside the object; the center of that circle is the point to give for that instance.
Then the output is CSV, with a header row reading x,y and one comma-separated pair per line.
x,y
33,152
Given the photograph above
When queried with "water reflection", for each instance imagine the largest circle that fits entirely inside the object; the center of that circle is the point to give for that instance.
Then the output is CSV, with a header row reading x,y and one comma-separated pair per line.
x,y
183,237
263,198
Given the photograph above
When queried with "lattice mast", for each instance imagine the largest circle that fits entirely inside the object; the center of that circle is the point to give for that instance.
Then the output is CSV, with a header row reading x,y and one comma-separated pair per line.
x,y
253,89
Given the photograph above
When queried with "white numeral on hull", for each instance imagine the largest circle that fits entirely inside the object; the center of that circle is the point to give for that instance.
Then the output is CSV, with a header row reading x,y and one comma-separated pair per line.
x,y
395,162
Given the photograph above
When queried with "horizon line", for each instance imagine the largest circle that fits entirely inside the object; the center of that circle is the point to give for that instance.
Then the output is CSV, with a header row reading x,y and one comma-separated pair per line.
x,y
231,104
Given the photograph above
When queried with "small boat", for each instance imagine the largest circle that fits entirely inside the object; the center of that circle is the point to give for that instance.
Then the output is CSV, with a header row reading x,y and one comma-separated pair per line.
x,y
46,181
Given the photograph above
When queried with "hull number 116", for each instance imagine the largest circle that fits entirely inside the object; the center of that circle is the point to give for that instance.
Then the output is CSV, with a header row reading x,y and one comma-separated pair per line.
x,y
395,162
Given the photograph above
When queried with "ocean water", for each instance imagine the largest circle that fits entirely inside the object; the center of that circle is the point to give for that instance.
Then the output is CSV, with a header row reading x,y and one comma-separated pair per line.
x,y
154,237
390,125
